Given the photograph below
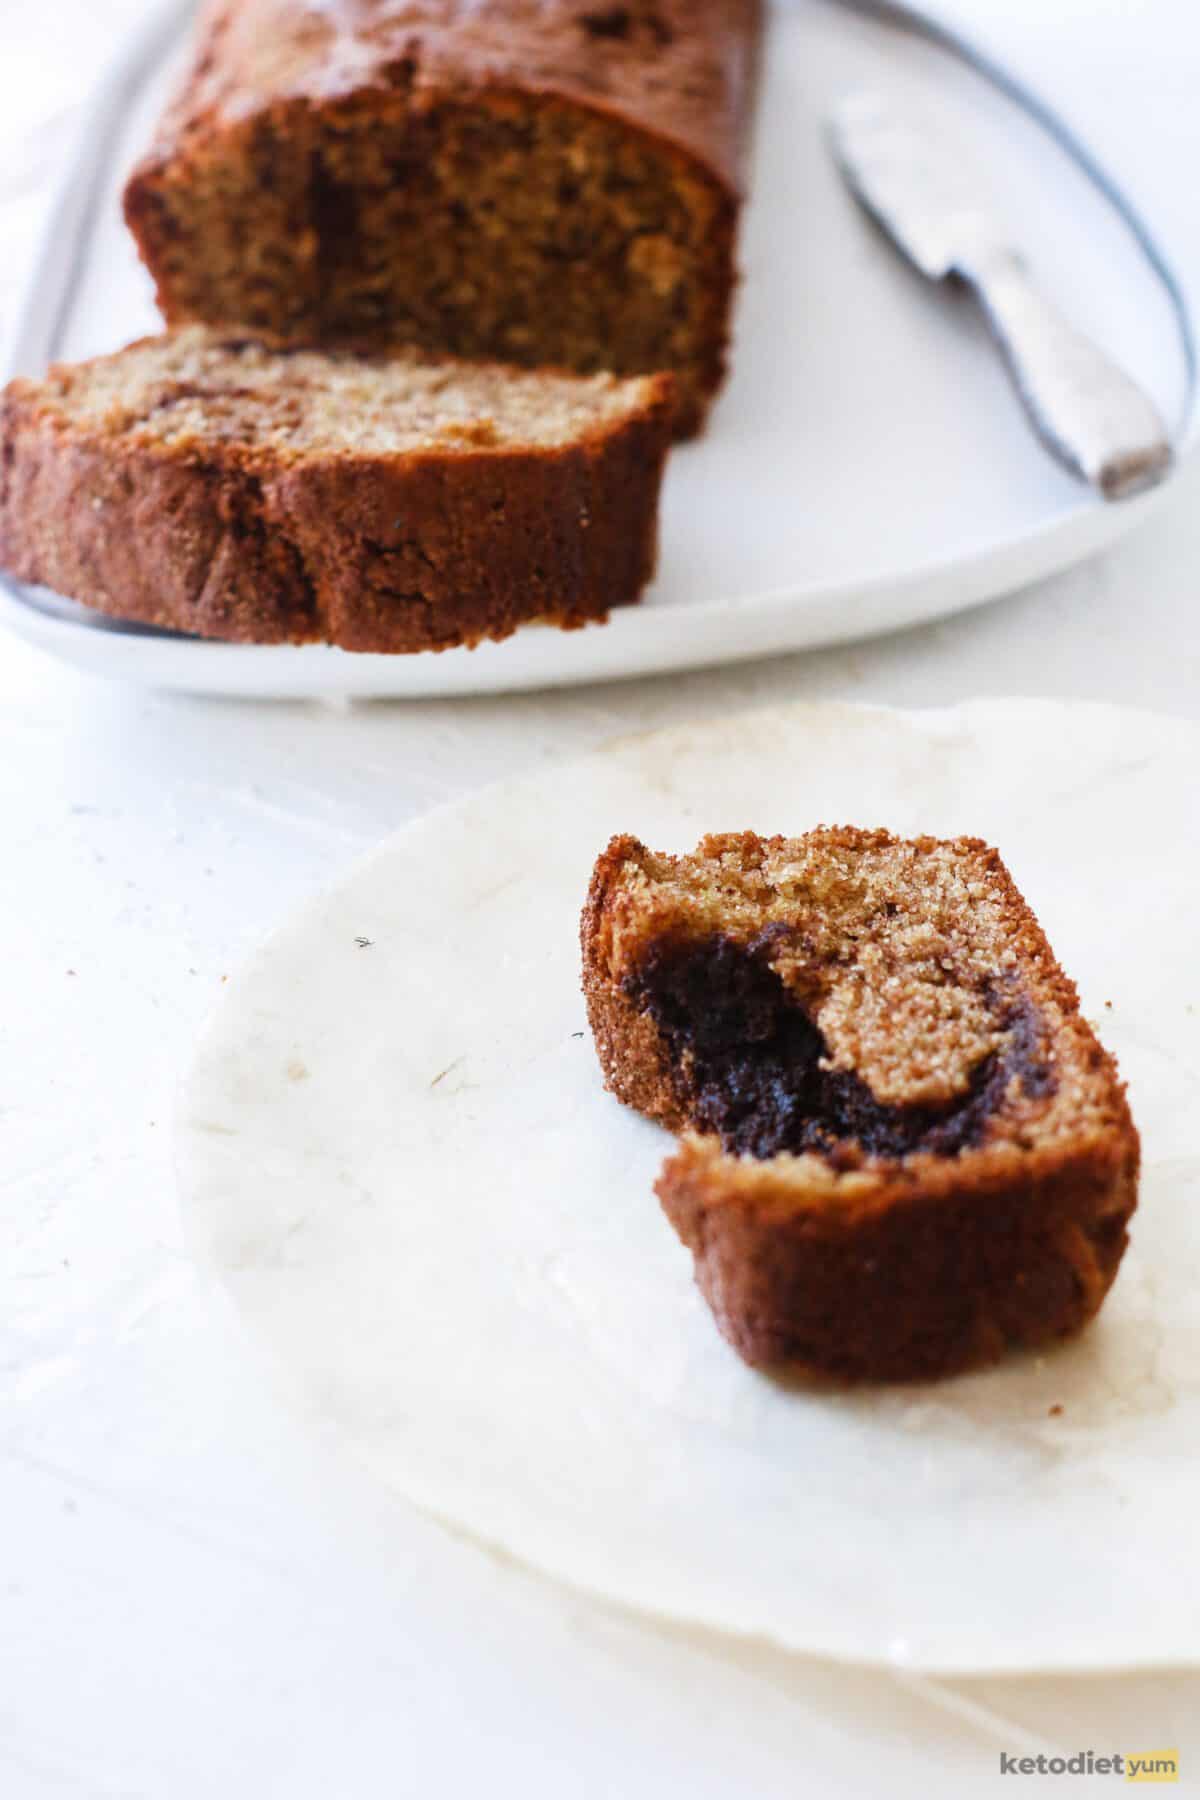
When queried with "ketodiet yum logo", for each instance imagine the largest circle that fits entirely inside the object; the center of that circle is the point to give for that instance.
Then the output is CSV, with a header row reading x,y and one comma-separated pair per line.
x,y
1126,1765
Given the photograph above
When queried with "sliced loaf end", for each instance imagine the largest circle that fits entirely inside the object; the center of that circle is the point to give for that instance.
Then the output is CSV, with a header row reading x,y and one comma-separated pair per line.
x,y
222,486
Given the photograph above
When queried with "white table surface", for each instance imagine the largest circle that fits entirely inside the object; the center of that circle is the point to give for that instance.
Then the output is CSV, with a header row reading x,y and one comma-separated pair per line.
x,y
199,1599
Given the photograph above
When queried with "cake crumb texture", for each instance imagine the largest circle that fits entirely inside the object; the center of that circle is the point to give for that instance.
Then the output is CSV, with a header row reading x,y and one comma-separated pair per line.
x,y
547,182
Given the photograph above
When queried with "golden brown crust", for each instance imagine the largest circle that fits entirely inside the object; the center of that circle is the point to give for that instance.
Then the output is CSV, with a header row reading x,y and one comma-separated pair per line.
x,y
633,1058
268,143
682,70
937,1270
866,1266
421,550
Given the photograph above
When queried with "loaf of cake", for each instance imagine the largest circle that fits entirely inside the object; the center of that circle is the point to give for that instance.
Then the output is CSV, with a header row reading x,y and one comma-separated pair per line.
x,y
904,1148
549,182
389,502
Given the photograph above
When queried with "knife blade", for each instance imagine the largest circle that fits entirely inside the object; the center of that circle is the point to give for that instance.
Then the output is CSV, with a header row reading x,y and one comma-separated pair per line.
x,y
920,188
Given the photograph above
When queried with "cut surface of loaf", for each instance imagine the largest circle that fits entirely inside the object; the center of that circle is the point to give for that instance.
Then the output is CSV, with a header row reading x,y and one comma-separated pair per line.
x,y
541,181
904,1148
390,502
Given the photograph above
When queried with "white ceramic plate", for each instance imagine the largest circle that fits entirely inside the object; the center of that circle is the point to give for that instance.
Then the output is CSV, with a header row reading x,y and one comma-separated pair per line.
x,y
867,466
395,1147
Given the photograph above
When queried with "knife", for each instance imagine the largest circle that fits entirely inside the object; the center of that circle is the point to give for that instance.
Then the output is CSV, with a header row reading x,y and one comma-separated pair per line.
x,y
1088,413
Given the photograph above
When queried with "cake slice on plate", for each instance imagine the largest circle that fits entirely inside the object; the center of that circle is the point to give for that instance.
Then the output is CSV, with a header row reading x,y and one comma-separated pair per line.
x,y
216,485
904,1148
